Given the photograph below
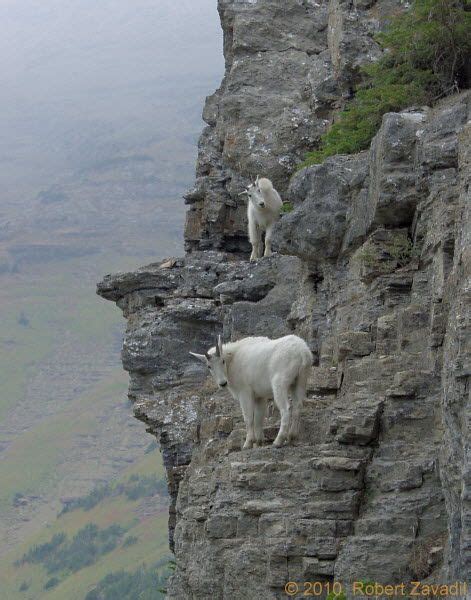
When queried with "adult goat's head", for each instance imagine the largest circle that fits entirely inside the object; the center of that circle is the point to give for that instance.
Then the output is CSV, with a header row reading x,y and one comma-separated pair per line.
x,y
215,361
254,194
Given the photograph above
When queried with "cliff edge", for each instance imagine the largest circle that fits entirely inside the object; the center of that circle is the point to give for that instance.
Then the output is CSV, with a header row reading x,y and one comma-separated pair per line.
x,y
373,269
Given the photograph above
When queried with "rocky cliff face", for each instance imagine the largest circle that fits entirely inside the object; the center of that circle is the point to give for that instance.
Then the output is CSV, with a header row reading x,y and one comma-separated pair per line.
x,y
373,271
289,65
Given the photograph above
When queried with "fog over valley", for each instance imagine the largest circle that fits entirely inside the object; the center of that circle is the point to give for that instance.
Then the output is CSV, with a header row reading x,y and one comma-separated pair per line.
x,y
100,113
92,89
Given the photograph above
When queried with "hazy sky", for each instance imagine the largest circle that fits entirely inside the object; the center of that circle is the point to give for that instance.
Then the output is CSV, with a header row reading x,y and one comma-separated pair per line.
x,y
75,46
75,68
100,110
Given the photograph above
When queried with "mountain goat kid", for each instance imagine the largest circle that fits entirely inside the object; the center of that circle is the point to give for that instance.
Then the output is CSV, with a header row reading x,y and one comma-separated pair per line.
x,y
263,211
256,369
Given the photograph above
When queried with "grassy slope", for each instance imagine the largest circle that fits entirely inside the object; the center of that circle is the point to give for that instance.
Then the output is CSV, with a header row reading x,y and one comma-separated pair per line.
x,y
56,302
54,305
23,347
152,545
59,300
30,465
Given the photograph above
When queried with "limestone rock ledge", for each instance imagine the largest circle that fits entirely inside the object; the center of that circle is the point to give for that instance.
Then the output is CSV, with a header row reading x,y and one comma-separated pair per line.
x,y
374,271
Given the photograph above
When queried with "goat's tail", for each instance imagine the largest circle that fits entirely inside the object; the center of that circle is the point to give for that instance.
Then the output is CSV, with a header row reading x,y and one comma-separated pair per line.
x,y
307,359
300,386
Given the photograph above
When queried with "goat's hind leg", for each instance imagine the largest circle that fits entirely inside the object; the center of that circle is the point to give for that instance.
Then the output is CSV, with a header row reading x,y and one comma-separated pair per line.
x,y
298,397
281,397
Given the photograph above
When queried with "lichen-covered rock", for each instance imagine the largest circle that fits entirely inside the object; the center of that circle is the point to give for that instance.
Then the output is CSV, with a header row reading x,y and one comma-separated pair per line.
x,y
374,274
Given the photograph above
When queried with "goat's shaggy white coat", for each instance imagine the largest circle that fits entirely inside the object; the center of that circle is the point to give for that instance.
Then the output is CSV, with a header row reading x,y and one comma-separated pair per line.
x,y
257,369
263,211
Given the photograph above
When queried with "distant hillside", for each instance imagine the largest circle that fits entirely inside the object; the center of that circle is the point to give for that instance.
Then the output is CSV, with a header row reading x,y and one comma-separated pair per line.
x,y
120,537
100,112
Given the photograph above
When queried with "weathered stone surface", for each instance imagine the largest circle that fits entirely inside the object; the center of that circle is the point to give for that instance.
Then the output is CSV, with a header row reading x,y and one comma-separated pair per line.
x,y
322,195
375,275
393,196
354,343
324,380
410,384
221,527
313,568
456,399
360,426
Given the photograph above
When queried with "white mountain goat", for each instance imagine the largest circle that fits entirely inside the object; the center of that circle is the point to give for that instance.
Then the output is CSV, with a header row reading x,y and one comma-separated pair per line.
x,y
263,211
256,369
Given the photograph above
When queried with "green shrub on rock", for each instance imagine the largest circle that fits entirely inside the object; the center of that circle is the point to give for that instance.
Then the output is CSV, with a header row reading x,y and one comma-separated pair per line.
x,y
287,208
427,53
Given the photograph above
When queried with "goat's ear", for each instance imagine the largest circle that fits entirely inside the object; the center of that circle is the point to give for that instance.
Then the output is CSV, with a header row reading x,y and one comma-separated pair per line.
x,y
228,355
201,357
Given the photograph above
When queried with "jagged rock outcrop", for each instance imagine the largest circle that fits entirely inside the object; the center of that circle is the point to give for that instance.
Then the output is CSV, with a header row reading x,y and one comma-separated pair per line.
x,y
182,305
373,271
289,66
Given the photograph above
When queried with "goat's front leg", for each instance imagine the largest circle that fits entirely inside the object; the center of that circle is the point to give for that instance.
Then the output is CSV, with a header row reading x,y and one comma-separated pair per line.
x,y
260,409
268,236
255,236
247,403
